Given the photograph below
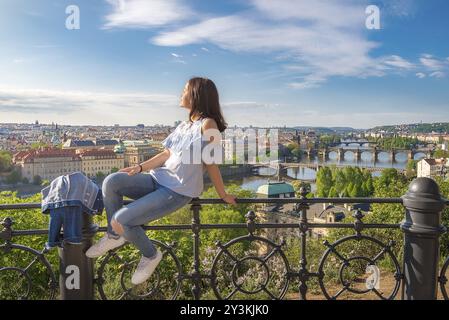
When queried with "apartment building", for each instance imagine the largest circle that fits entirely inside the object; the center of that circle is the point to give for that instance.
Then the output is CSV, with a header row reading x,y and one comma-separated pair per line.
x,y
138,153
100,160
48,164
51,163
431,168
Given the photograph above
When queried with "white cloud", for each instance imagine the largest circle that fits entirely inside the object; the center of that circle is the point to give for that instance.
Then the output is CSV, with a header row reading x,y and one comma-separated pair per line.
x,y
22,60
398,62
81,107
308,82
437,74
102,108
316,40
324,50
178,58
144,13
421,75
247,105
431,62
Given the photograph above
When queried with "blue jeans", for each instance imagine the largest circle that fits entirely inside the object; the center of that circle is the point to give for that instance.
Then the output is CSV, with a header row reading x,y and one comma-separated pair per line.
x,y
70,218
151,202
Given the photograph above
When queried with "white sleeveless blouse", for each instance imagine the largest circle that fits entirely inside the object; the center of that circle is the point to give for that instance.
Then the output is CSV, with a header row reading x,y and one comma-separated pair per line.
x,y
177,174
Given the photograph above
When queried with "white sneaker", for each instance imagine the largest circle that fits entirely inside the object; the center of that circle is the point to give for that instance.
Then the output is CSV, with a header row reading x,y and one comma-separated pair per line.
x,y
104,245
145,268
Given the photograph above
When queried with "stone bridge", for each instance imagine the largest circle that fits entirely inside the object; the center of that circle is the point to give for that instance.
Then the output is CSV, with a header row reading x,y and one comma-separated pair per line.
x,y
359,142
282,167
324,153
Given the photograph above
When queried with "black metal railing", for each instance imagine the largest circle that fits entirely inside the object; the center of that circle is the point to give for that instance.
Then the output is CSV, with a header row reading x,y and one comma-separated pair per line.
x,y
354,259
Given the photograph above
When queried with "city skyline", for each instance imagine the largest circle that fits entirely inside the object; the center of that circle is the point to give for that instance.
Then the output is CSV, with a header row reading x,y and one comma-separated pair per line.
x,y
275,63
397,126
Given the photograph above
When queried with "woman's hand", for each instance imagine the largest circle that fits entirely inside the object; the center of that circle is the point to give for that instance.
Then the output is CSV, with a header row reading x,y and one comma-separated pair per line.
x,y
229,198
131,170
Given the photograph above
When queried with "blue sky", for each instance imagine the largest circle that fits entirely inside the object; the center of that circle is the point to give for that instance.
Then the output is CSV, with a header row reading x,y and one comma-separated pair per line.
x,y
275,62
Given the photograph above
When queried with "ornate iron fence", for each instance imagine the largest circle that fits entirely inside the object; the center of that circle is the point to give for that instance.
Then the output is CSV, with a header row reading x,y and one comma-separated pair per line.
x,y
354,260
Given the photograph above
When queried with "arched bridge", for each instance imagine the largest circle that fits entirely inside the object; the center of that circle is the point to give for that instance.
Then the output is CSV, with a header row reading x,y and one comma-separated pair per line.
x,y
324,153
359,142
282,167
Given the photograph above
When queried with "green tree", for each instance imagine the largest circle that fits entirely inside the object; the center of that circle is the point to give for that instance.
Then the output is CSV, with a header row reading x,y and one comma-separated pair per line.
x,y
14,177
24,220
410,172
292,146
344,182
349,191
37,145
45,183
441,154
297,152
368,183
389,143
333,193
356,190
340,183
324,181
444,190
389,183
328,140
5,161
100,176
297,185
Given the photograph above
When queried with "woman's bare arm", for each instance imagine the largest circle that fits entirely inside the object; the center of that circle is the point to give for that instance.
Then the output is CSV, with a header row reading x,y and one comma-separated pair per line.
x,y
156,161
214,171
215,177
152,163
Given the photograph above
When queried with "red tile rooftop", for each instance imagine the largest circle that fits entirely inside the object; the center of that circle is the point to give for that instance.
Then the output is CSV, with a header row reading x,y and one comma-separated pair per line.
x,y
43,153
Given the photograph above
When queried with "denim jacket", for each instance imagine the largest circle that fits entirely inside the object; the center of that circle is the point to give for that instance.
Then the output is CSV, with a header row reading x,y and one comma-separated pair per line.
x,y
73,189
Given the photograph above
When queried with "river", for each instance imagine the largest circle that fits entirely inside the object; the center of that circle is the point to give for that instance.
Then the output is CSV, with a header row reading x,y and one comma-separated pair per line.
x,y
306,174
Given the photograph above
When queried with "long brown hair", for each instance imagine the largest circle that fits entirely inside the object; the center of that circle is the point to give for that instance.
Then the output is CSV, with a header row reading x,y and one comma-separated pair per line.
x,y
204,101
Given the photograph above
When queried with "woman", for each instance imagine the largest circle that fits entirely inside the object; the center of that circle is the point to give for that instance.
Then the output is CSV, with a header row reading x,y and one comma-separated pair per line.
x,y
170,184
